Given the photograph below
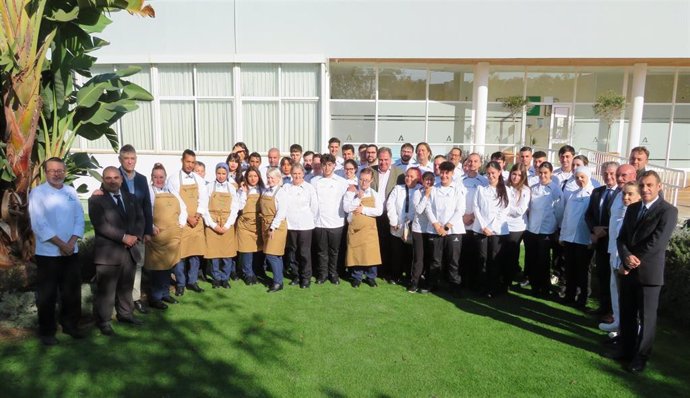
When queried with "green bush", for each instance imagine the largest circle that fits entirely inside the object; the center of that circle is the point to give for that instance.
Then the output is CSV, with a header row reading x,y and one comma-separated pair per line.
x,y
675,296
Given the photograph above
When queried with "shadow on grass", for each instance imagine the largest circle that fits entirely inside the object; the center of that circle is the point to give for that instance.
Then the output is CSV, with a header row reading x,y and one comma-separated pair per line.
x,y
162,358
668,369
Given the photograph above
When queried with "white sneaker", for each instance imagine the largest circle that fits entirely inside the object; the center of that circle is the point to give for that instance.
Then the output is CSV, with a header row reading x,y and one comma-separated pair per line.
x,y
609,327
554,280
613,334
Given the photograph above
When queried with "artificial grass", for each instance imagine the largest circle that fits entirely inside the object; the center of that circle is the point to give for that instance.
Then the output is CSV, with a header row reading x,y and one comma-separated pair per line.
x,y
342,342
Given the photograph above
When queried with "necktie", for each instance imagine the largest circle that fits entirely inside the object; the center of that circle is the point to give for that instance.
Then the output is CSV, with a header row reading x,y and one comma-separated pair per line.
x,y
407,199
603,212
120,205
642,213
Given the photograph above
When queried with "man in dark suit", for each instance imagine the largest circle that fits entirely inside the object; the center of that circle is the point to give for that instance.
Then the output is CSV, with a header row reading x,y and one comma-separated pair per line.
x,y
118,223
597,218
137,185
642,242
385,178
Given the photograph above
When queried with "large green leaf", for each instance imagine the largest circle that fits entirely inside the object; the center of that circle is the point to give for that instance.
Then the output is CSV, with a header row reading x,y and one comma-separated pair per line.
x,y
60,15
89,94
128,71
98,25
136,92
123,105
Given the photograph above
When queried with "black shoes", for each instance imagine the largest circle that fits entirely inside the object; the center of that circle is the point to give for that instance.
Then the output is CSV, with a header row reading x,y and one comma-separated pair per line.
x,y
356,283
305,285
294,282
171,300
234,276
139,306
74,333
637,365
412,288
49,340
320,281
179,291
195,287
250,280
159,305
132,321
215,284
334,280
371,282
225,284
276,287
106,330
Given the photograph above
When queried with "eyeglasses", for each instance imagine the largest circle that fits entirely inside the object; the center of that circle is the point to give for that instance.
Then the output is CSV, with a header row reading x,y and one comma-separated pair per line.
x,y
54,171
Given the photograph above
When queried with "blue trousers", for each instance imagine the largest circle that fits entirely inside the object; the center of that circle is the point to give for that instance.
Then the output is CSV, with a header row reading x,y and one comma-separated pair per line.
x,y
222,274
370,272
160,283
247,263
181,275
276,264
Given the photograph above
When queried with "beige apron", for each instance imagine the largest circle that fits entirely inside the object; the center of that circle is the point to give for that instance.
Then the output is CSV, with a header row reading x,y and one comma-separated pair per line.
x,y
248,238
363,239
163,250
275,246
217,245
193,240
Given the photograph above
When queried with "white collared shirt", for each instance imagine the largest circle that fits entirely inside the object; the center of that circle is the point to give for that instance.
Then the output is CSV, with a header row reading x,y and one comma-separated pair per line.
x,y
55,212
234,205
383,182
351,202
542,208
618,210
489,211
182,178
304,206
395,208
471,184
574,229
517,210
445,205
329,193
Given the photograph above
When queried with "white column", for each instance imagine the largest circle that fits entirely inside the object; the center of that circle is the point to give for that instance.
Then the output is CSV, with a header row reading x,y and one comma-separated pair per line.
x,y
481,89
637,99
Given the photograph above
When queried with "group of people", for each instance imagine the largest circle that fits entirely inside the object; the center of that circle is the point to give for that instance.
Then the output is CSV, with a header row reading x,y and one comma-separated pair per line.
x,y
435,222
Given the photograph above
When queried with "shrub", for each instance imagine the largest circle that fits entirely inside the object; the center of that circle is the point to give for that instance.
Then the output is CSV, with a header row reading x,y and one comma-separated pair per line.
x,y
675,295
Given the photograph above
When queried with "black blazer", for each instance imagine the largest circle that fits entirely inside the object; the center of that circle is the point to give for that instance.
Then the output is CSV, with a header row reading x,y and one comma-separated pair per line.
x,y
141,191
592,215
110,225
648,239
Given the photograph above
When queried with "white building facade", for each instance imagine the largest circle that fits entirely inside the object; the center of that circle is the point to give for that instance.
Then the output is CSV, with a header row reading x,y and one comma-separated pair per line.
x,y
272,73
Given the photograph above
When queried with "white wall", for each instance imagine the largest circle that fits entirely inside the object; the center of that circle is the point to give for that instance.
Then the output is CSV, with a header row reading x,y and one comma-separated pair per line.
x,y
205,29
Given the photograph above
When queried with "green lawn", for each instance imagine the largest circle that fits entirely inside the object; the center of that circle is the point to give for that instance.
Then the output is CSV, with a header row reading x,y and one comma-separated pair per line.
x,y
342,342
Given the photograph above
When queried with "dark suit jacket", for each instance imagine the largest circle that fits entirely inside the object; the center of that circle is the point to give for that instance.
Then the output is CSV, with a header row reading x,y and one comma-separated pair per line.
x,y
593,215
141,191
110,225
397,177
648,239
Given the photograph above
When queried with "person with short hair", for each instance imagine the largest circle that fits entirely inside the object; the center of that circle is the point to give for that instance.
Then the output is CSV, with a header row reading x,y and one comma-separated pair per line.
x,y
118,224
639,157
220,217
362,153
296,153
317,168
525,158
307,159
472,180
334,148
57,221
455,156
348,152
363,204
406,152
566,153
500,158
642,243
304,206
401,211
192,189
273,207
254,160
285,170
163,249
328,231
538,158
371,156
438,159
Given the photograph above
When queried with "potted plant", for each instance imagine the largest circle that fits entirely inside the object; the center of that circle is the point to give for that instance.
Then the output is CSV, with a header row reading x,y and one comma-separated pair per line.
x,y
608,108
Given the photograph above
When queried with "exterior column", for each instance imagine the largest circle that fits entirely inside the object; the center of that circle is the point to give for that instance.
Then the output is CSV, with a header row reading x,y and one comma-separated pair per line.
x,y
637,99
481,98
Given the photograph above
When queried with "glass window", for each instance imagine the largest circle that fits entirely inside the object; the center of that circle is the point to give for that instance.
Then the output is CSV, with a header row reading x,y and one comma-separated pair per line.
x,y
137,127
680,142
402,84
500,128
300,80
349,81
175,80
259,80
177,125
505,84
260,120
592,84
557,85
214,80
683,90
658,87
215,125
450,86
654,131
353,121
401,121
450,123
300,124
590,132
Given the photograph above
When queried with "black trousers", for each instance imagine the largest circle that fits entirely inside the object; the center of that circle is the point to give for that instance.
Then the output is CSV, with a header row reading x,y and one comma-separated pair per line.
x,y
58,275
511,254
491,267
327,242
299,243
114,288
401,258
383,227
444,251
539,260
641,302
420,257
577,260
602,261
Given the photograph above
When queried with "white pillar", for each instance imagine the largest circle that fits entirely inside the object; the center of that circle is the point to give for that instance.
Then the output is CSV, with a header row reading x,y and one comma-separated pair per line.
x,y
637,99
481,98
